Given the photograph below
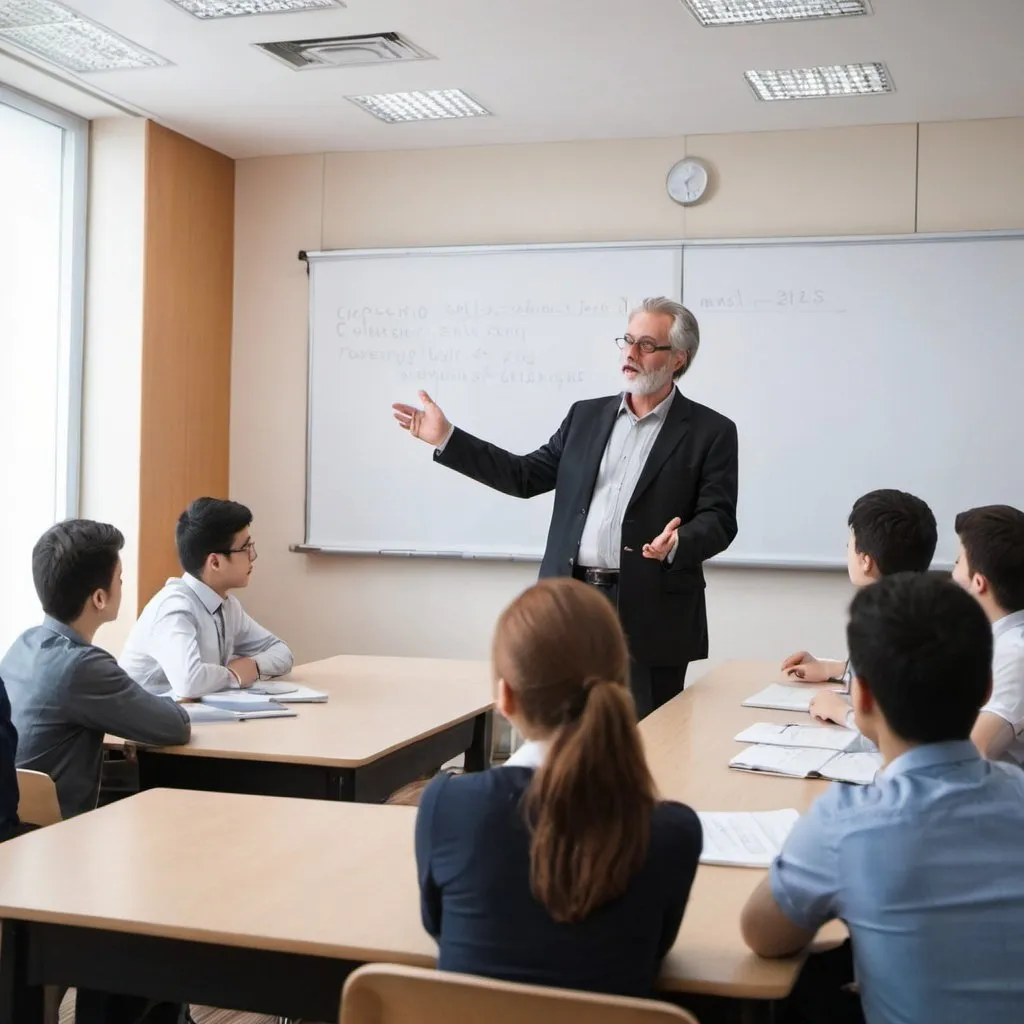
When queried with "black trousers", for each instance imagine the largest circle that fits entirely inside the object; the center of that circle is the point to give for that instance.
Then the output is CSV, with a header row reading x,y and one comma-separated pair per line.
x,y
651,685
822,993
101,1008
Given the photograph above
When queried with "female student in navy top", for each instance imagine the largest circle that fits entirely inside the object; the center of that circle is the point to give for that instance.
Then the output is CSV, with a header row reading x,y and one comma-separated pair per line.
x,y
562,867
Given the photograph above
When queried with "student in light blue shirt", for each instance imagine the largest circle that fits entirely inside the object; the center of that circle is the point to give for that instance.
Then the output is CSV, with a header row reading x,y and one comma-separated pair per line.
x,y
923,866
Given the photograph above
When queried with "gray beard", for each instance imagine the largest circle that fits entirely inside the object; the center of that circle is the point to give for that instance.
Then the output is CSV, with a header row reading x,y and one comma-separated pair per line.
x,y
648,383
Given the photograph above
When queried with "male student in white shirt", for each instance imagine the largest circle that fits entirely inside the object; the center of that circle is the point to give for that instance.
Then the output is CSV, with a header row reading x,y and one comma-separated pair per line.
x,y
990,566
194,637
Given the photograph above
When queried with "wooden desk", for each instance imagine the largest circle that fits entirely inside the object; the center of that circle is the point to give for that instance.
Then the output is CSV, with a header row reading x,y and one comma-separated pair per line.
x,y
689,742
387,722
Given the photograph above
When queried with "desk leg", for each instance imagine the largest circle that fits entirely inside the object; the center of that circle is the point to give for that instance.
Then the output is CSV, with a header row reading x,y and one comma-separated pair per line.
x,y
478,754
20,1002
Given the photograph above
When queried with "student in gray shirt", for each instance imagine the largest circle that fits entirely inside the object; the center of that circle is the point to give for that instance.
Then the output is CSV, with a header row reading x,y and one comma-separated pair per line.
x,y
65,692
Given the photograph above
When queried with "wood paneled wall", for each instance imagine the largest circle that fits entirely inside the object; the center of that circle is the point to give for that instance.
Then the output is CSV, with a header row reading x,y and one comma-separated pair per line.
x,y
186,348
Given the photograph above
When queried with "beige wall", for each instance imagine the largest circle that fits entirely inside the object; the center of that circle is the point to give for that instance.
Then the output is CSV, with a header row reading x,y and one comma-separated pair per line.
x,y
841,181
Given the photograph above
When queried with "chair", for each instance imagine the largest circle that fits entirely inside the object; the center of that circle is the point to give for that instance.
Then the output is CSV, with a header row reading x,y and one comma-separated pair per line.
x,y
389,994
38,804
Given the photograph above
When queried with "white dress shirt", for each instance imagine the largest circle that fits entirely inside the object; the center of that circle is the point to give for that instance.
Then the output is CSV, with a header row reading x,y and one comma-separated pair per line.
x,y
530,754
629,444
1007,700
186,636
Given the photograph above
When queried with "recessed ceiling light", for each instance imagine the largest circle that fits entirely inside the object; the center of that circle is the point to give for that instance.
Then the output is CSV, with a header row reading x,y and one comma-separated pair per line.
x,y
753,12
57,34
240,8
421,106
809,83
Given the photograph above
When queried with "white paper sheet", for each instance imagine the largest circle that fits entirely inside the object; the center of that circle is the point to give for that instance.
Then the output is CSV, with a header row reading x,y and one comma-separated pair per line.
x,y
747,839
799,762
818,737
781,697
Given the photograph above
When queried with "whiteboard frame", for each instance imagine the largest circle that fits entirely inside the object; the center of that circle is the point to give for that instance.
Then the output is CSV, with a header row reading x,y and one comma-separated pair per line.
x,y
723,561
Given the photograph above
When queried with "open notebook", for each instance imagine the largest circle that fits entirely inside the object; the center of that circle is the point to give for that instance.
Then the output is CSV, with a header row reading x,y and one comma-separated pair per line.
x,y
804,763
814,736
744,839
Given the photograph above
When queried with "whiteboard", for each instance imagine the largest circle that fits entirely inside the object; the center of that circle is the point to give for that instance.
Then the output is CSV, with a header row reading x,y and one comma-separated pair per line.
x,y
849,366
504,339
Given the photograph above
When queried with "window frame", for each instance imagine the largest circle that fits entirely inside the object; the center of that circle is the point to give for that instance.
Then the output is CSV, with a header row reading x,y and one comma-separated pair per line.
x,y
71,337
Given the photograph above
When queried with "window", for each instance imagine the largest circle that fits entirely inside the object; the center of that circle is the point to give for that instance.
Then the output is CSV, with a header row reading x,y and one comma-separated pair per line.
x,y
43,154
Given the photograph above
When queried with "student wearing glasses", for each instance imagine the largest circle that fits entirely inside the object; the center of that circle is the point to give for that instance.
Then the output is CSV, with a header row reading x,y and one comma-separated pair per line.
x,y
645,488
194,637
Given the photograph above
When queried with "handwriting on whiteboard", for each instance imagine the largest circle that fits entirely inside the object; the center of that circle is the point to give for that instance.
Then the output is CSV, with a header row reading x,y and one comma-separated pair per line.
x,y
815,300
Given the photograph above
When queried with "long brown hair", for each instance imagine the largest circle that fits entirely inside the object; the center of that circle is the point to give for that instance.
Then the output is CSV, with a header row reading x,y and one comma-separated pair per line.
x,y
561,650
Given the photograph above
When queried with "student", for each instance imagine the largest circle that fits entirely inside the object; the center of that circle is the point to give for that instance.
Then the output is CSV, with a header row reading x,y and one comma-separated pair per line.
x,y
922,865
561,867
65,692
194,637
890,531
990,566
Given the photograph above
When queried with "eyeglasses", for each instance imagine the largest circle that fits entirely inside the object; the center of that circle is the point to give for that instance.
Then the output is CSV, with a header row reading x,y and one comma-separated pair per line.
x,y
248,548
644,344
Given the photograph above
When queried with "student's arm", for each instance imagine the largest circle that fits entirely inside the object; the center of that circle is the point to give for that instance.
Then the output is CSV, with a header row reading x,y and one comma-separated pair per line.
x,y
683,856
174,644
992,735
430,891
100,695
272,656
1003,715
808,669
801,892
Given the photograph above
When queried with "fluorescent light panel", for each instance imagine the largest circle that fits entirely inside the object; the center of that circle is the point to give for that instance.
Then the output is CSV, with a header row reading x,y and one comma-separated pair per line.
x,y
433,104
61,36
754,12
240,8
812,83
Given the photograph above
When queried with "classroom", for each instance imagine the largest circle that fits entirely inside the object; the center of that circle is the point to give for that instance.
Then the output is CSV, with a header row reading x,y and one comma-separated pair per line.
x,y
724,723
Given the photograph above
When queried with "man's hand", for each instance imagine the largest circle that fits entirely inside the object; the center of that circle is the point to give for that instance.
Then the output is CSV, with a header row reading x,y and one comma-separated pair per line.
x,y
829,707
246,670
806,668
429,423
662,545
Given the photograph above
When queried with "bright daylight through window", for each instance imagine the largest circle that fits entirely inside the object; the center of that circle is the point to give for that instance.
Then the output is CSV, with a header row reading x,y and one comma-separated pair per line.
x,y
42,224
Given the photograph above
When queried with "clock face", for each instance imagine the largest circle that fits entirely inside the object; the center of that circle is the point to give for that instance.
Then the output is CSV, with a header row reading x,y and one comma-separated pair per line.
x,y
687,181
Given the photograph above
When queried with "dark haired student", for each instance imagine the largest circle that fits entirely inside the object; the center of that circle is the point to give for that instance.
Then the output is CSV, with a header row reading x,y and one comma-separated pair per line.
x,y
194,637
65,692
562,867
923,865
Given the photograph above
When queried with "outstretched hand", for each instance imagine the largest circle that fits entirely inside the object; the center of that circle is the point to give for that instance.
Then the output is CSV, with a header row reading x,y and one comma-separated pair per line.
x,y
428,424
662,545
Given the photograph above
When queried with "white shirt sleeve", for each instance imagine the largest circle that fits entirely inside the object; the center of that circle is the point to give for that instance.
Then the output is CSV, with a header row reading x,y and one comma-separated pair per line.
x,y
174,644
444,444
1007,700
250,640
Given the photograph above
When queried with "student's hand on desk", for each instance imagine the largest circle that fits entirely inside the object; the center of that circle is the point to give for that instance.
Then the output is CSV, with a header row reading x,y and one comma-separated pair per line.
x,y
246,670
829,707
429,423
662,545
806,668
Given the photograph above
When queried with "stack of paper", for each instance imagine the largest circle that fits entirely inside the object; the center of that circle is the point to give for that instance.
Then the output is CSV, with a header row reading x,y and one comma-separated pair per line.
x,y
804,763
235,705
818,737
779,697
289,693
744,839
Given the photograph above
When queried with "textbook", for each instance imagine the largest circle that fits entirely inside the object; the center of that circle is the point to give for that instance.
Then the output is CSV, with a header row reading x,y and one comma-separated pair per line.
x,y
780,697
804,763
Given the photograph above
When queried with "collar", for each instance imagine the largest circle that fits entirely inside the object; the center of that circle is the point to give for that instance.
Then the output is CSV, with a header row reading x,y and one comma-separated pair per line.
x,y
530,755
659,412
210,598
931,755
56,626
1015,620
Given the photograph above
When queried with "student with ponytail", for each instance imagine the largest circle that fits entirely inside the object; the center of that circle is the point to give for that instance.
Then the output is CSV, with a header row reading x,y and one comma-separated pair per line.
x,y
562,867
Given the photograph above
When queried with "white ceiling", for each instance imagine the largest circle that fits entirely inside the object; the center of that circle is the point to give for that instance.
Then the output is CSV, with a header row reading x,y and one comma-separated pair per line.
x,y
548,69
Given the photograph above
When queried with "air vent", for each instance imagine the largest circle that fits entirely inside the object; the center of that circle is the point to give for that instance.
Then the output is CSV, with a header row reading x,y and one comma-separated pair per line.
x,y
304,54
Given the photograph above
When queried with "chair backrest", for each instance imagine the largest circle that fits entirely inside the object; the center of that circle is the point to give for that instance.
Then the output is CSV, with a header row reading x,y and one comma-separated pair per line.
x,y
38,804
389,994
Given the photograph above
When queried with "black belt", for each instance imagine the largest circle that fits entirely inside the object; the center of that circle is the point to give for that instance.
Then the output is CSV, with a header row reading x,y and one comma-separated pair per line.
x,y
596,577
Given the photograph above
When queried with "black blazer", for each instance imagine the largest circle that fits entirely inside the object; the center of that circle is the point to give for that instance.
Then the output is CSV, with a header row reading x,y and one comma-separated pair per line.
x,y
691,472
